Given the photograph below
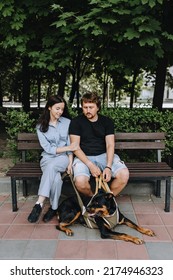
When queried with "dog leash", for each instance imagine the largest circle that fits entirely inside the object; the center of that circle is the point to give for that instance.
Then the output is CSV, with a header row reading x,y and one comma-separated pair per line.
x,y
90,222
100,183
77,193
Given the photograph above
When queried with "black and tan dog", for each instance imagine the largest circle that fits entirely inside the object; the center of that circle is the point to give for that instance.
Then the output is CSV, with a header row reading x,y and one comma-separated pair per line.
x,y
101,206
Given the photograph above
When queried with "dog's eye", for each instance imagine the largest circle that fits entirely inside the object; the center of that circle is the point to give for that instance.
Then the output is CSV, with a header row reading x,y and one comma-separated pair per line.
x,y
96,203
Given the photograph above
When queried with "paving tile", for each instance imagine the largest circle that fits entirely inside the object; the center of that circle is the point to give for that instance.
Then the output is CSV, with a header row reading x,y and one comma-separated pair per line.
x,y
3,230
144,207
167,218
126,207
123,198
101,250
127,230
130,251
160,250
161,234
12,249
8,207
26,206
170,231
71,249
93,234
159,207
149,219
79,233
141,198
7,217
40,249
21,218
22,232
3,197
45,232
19,238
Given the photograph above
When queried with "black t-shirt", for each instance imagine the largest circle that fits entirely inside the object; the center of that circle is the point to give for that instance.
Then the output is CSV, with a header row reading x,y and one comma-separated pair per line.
x,y
92,134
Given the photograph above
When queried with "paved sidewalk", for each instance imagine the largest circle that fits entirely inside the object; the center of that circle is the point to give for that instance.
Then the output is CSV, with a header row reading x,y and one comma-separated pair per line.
x,y
21,240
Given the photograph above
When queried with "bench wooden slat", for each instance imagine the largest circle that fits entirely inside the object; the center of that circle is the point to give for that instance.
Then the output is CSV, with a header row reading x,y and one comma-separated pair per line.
x,y
28,146
140,136
27,137
139,146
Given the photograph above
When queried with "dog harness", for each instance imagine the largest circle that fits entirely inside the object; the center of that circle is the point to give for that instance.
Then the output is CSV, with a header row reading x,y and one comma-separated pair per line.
x,y
111,220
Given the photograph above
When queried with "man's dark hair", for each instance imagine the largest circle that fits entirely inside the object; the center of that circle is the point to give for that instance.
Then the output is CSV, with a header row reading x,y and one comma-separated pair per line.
x,y
91,97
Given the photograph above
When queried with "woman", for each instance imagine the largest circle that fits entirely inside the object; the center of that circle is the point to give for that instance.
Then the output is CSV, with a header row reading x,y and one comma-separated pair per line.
x,y
52,131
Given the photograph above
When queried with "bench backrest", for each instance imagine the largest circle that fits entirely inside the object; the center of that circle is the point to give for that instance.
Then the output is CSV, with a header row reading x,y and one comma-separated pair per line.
x,y
140,141
123,141
28,141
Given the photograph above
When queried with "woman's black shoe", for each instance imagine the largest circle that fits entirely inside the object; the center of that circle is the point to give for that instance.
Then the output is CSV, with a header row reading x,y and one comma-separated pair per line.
x,y
35,213
49,215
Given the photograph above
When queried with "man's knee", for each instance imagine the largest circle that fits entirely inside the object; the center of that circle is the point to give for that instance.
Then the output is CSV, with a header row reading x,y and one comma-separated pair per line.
x,y
82,184
123,176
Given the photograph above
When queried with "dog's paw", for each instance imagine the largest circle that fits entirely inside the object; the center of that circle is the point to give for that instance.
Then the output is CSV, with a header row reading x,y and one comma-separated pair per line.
x,y
149,232
69,232
138,241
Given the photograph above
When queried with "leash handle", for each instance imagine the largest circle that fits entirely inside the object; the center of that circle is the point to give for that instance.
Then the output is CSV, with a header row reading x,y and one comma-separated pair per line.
x,y
100,183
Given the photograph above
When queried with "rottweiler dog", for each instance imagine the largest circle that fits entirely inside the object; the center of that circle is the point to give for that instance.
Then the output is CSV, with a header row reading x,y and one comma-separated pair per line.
x,y
101,206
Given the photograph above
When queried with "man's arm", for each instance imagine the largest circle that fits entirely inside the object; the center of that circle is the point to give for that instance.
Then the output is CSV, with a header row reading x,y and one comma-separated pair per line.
x,y
110,149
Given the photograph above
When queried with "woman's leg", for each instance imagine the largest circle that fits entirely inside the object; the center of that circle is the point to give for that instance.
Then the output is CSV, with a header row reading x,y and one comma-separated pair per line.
x,y
50,168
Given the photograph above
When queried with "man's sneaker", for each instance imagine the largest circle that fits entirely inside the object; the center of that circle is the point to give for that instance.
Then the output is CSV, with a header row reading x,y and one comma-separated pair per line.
x,y
49,215
35,213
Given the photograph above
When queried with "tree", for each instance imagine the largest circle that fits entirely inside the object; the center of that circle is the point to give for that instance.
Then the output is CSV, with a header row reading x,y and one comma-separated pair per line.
x,y
166,59
67,39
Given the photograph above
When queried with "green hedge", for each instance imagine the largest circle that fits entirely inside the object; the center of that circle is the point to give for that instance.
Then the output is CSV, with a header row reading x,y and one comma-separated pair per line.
x,y
144,120
125,120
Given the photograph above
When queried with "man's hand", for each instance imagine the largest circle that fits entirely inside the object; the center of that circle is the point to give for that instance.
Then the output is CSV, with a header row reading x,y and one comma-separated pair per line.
x,y
94,169
107,175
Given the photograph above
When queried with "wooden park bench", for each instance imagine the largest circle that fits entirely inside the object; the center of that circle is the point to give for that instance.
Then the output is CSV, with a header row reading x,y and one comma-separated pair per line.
x,y
154,171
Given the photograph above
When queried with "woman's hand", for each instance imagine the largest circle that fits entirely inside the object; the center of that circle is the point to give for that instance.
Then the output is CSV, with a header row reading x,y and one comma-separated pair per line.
x,y
69,169
74,147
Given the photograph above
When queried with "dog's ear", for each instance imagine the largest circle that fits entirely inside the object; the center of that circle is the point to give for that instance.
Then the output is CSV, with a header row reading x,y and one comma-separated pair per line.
x,y
109,196
111,203
101,191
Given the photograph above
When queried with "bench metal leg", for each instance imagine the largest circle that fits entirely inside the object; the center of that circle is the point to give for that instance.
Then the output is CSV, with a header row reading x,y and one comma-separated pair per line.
x,y
158,187
14,194
25,189
167,194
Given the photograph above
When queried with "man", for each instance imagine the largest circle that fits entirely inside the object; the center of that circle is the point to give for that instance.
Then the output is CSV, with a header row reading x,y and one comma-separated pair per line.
x,y
95,135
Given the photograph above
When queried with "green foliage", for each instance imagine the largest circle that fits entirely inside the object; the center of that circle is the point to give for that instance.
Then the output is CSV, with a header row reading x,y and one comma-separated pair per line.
x,y
125,120
16,121
144,120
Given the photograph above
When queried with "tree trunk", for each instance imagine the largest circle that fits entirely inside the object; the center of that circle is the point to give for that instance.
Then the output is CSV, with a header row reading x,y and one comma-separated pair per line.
x,y
163,62
132,91
26,84
39,91
62,82
1,95
160,83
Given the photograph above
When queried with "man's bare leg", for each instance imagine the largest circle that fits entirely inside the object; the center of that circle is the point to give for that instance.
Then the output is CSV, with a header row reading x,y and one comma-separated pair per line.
x,y
83,186
120,181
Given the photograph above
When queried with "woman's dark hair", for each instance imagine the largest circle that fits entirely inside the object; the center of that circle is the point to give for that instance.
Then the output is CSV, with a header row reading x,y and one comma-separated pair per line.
x,y
91,97
45,117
